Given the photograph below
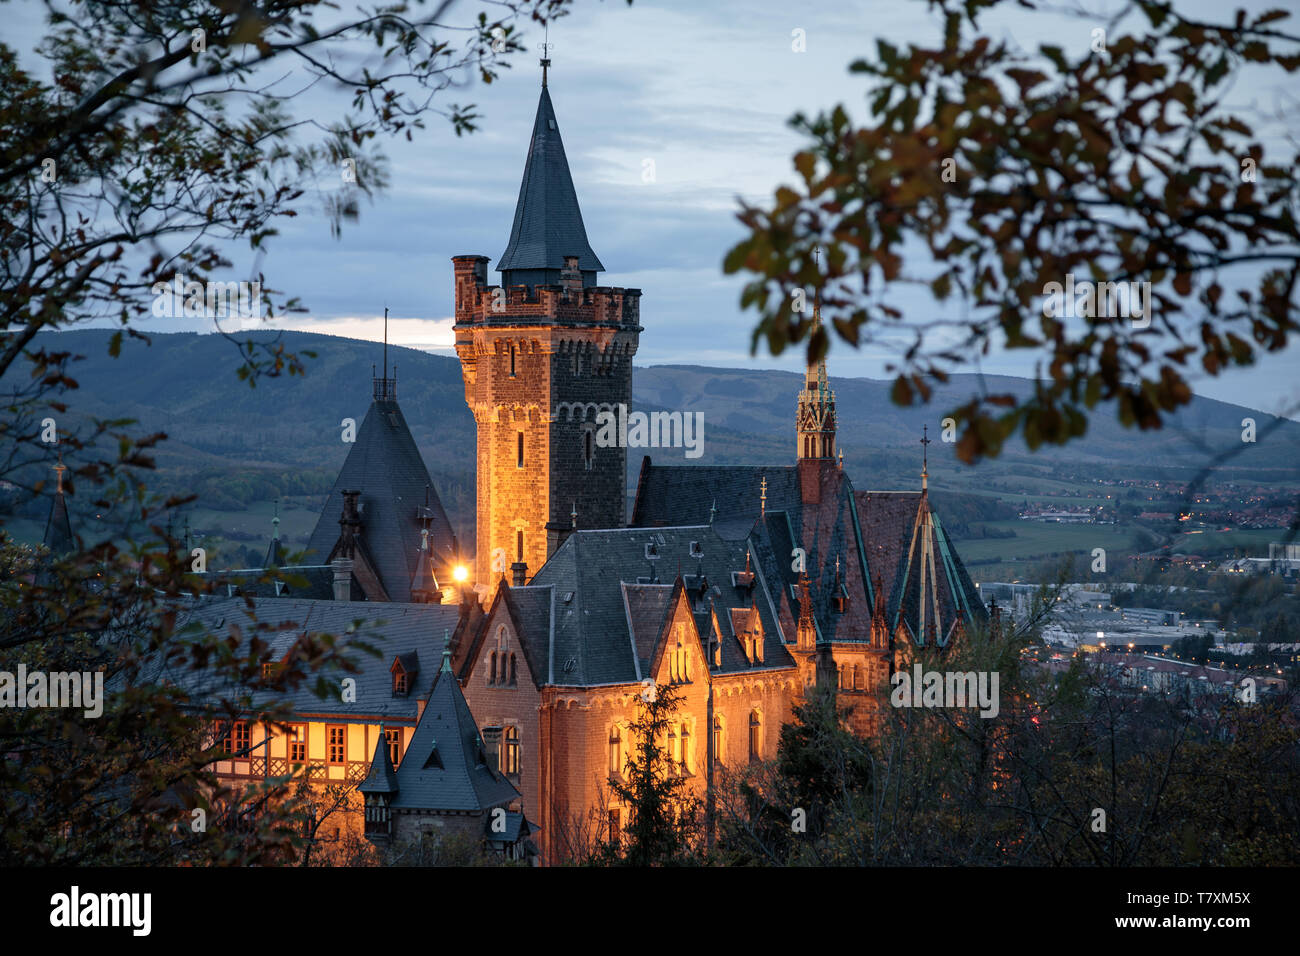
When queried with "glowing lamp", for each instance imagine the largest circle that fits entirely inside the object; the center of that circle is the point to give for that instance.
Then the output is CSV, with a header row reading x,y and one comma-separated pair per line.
x,y
460,572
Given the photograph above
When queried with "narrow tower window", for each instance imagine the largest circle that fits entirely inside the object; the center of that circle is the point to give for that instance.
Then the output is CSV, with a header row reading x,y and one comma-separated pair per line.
x,y
588,448
512,752
512,360
519,545
519,449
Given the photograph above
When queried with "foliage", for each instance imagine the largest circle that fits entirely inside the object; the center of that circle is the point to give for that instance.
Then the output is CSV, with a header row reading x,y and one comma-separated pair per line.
x,y
149,140
1014,170
662,815
1075,770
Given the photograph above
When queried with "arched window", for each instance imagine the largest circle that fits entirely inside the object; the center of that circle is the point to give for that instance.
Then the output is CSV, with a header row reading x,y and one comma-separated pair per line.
x,y
755,737
511,766
718,749
615,749
674,746
686,763
677,665
492,674
514,674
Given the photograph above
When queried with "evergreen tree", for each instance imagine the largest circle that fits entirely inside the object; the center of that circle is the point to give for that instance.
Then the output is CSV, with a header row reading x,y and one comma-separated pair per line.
x,y
663,816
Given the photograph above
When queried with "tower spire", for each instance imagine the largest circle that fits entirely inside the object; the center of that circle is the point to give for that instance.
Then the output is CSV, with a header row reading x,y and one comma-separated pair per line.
x,y
925,458
385,388
58,528
815,418
546,51
547,231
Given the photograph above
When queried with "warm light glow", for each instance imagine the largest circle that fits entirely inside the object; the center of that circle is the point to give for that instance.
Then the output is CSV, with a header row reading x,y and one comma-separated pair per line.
x,y
460,573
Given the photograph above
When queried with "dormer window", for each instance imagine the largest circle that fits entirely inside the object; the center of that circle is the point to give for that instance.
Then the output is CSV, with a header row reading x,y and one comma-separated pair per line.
x,y
404,670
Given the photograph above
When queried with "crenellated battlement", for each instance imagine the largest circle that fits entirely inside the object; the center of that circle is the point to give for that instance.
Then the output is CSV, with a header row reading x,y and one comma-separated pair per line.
x,y
478,303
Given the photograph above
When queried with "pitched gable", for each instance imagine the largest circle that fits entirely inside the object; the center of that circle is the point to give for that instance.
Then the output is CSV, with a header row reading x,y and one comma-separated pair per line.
x,y
384,464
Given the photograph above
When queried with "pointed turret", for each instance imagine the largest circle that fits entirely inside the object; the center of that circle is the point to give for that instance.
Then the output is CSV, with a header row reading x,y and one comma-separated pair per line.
x,y
382,777
816,414
424,585
378,790
58,528
548,223
276,556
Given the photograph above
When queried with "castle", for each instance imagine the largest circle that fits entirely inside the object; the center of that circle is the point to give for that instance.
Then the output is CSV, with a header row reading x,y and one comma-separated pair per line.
x,y
502,706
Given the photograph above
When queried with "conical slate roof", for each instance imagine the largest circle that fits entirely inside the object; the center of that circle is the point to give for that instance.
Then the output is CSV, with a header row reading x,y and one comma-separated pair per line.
x,y
445,766
58,529
382,777
384,464
548,223
276,556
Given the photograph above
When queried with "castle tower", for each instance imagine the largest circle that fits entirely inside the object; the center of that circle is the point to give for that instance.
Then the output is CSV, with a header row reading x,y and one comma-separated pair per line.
x,y
542,355
816,415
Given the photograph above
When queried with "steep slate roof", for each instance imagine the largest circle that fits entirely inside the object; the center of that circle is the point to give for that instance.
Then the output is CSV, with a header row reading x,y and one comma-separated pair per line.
x,y
868,534
382,778
298,581
384,464
548,223
445,767
276,554
674,496
393,629
610,629
58,529
530,614
824,527
918,590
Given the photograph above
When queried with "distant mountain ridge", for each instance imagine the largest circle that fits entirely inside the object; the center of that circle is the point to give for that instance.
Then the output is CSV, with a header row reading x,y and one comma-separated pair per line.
x,y
184,384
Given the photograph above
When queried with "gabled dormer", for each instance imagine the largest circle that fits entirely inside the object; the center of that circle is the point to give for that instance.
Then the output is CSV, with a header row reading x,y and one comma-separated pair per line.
x,y
404,671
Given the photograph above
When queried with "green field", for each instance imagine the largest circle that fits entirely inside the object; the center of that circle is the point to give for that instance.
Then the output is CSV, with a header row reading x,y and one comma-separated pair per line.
x,y
1036,542
1254,541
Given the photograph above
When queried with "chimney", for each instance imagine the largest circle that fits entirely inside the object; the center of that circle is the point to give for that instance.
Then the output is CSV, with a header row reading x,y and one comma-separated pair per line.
x,y
520,572
492,747
342,578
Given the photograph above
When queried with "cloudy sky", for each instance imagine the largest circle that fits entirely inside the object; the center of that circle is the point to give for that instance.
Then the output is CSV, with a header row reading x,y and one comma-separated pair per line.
x,y
703,91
